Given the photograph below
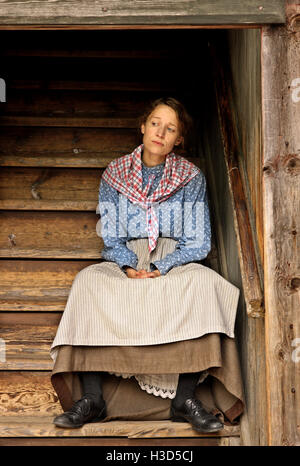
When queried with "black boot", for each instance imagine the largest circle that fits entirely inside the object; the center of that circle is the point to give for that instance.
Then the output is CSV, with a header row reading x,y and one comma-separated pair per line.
x,y
185,407
90,408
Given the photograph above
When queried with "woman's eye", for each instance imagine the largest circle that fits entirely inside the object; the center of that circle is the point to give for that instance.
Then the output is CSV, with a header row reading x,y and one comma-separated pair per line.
x,y
171,130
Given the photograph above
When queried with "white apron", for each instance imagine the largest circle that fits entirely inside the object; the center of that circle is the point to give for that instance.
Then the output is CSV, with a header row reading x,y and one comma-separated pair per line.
x,y
106,308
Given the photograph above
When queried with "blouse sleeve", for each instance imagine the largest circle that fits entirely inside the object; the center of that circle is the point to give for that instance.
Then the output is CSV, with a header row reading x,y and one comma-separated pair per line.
x,y
195,242
115,248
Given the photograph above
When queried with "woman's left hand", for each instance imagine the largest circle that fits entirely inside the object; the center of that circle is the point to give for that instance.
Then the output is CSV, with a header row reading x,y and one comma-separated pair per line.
x,y
144,274
155,273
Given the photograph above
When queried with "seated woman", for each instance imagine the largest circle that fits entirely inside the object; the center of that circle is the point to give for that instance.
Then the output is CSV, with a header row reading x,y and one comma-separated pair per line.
x,y
148,333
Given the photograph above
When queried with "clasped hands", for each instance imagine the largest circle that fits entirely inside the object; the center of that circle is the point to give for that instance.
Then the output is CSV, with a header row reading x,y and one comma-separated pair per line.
x,y
132,273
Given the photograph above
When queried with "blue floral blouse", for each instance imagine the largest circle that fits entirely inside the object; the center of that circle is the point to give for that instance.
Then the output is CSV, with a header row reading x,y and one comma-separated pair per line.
x,y
183,217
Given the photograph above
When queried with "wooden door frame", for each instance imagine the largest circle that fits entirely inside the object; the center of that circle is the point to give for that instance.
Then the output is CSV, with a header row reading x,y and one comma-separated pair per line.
x,y
125,13
281,161
280,167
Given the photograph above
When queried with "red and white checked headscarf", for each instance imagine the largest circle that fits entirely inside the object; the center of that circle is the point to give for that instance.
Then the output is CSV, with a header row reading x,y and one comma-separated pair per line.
x,y
125,175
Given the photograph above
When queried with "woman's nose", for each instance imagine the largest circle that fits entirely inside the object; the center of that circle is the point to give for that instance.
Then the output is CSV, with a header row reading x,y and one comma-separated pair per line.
x,y
161,131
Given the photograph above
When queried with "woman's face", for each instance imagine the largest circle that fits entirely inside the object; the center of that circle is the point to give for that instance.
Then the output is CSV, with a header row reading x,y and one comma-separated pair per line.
x,y
161,131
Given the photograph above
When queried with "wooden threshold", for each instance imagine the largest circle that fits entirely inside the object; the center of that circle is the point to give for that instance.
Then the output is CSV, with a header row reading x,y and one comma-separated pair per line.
x,y
42,426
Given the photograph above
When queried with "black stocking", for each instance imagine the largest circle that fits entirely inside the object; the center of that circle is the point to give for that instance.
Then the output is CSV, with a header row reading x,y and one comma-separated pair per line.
x,y
92,386
187,384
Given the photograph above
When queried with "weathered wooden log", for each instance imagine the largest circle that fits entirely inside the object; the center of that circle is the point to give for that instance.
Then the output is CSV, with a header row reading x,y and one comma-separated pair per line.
x,y
49,235
28,338
114,12
49,189
84,121
37,285
135,54
68,104
111,85
64,147
281,142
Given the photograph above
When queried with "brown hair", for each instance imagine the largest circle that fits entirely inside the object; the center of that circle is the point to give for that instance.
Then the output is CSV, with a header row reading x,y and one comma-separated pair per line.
x,y
184,118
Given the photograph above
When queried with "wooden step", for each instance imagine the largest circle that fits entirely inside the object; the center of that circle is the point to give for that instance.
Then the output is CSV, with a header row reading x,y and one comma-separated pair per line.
x,y
37,285
28,405
97,53
80,122
45,101
69,235
125,86
64,147
28,338
49,188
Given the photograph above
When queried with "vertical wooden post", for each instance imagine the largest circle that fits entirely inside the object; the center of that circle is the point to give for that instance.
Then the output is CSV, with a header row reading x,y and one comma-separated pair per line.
x,y
281,183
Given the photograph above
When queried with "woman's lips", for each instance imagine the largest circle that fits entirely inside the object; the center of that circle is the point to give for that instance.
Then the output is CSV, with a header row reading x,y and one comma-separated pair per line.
x,y
158,143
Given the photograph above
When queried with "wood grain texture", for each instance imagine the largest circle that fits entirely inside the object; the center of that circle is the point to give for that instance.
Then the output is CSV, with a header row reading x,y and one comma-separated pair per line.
x,y
121,53
82,85
250,332
27,393
143,12
84,121
42,426
37,285
28,338
28,404
252,285
49,235
281,142
70,147
49,189
76,107
245,49
244,56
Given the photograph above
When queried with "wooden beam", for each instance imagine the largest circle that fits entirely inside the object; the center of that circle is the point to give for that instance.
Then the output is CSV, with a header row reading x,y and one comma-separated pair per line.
x,y
125,12
70,147
127,54
82,122
281,187
42,107
37,285
111,85
28,338
49,189
69,235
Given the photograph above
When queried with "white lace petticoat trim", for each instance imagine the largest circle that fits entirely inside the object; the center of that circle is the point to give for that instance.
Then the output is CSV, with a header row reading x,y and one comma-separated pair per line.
x,y
163,385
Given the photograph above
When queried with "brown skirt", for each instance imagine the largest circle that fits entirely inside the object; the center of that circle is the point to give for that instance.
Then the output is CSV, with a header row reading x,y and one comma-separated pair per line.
x,y
221,392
